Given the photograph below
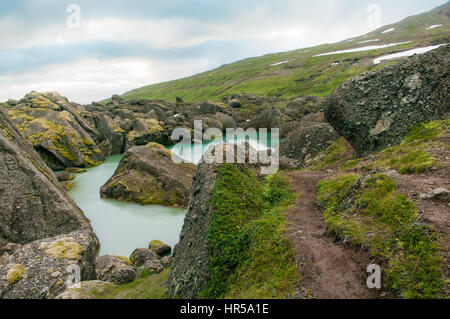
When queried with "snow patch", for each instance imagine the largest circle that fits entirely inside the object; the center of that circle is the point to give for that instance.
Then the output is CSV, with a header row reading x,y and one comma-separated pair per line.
x,y
279,63
368,48
434,26
367,41
388,30
407,53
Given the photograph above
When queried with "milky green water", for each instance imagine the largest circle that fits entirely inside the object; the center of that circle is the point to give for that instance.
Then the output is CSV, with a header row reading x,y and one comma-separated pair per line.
x,y
122,227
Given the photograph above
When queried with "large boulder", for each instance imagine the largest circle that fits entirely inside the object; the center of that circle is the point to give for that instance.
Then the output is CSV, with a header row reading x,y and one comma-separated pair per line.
x,y
33,206
115,269
141,255
375,110
147,175
304,142
56,130
42,231
268,119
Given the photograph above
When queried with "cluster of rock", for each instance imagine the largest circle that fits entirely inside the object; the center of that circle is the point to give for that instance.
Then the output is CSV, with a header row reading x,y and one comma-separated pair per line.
x,y
56,129
42,231
66,134
113,270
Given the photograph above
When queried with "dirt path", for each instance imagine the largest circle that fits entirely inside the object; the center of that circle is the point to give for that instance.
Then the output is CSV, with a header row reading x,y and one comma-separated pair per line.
x,y
327,269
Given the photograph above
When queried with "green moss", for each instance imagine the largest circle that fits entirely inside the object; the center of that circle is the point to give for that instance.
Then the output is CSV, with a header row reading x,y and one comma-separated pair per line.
x,y
331,155
154,244
250,255
15,274
90,163
411,156
65,248
387,222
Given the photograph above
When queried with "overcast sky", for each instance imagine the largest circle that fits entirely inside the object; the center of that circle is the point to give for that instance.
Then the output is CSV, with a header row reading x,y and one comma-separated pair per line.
x,y
122,45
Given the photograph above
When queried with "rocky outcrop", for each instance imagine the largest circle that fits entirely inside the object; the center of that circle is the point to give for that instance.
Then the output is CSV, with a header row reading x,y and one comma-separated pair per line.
x,y
42,231
189,273
375,110
147,175
56,130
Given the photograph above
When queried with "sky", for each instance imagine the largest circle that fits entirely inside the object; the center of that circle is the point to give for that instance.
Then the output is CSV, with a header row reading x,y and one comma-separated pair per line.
x,y
90,50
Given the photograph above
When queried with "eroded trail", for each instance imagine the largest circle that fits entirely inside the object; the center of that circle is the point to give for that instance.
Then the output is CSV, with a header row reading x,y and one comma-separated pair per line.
x,y
327,269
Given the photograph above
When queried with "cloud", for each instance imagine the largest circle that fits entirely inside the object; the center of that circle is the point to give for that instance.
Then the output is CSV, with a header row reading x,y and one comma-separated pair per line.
x,y
123,45
90,80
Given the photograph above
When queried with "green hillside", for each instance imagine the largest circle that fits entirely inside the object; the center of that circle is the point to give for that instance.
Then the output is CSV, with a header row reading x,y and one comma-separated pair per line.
x,y
304,73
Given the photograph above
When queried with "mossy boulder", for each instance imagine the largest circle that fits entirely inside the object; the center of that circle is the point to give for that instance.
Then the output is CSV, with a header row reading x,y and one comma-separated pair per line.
x,y
141,255
147,175
159,248
145,131
56,130
115,269
65,176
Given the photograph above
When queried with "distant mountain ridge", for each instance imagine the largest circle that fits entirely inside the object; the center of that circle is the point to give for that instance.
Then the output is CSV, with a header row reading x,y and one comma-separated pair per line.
x,y
302,72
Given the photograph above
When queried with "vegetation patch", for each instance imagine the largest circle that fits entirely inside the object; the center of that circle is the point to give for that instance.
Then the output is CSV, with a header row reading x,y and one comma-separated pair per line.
x,y
250,254
371,214
332,155
147,286
65,248
412,156
15,274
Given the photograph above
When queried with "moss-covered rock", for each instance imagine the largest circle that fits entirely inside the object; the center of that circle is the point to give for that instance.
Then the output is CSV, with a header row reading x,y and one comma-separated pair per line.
x,y
159,248
233,244
115,269
147,175
57,131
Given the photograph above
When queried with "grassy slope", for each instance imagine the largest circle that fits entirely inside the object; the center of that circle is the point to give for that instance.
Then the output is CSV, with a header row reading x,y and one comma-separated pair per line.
x,y
304,74
387,223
